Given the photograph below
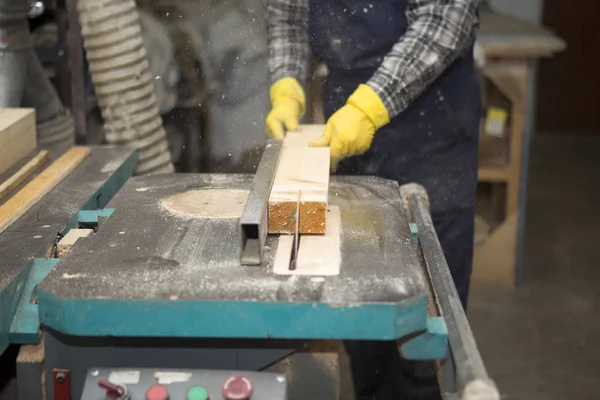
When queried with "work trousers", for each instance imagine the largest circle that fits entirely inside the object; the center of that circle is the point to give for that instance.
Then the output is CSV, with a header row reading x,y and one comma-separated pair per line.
x,y
433,143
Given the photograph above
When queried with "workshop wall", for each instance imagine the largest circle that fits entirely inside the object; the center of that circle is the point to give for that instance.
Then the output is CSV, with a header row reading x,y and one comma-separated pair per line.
x,y
568,82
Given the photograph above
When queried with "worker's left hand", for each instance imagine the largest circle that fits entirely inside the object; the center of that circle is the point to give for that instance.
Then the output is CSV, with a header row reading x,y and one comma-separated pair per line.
x,y
350,130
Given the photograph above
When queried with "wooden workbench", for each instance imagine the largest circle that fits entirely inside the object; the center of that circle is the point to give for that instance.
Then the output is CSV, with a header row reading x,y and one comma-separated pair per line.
x,y
511,47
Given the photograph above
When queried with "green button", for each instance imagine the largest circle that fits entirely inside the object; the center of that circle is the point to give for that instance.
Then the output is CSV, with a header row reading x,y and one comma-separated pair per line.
x,y
197,393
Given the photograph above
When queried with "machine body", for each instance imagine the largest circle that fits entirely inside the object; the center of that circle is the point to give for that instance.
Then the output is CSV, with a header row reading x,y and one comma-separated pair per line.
x,y
163,286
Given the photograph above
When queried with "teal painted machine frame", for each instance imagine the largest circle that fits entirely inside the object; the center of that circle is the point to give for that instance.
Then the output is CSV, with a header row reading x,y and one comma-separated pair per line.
x,y
425,337
249,320
232,319
18,302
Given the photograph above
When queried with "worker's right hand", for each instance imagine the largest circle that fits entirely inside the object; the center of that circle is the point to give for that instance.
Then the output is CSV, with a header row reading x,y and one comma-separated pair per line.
x,y
288,100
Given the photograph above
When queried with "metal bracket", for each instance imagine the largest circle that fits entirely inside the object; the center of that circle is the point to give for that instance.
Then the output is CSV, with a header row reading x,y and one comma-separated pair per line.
x,y
26,324
432,344
94,217
62,384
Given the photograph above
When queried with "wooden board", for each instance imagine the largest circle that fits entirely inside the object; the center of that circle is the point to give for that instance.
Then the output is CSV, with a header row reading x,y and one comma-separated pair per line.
x,y
25,172
317,255
302,177
65,244
17,135
35,190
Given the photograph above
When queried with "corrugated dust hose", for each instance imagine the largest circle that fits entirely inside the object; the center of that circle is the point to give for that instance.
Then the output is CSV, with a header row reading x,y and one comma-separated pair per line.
x,y
115,50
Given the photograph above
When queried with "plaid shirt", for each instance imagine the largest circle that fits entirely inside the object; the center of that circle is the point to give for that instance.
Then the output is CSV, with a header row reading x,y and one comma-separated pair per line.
x,y
439,31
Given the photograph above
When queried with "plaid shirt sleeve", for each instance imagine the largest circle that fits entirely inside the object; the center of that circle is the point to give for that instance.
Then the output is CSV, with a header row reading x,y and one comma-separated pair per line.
x,y
289,51
439,31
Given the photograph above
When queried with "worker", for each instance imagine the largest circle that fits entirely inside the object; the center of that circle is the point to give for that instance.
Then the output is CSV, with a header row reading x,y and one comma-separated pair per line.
x,y
402,102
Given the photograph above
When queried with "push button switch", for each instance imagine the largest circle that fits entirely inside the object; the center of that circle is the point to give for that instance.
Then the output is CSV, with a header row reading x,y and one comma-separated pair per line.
x,y
197,393
157,392
237,388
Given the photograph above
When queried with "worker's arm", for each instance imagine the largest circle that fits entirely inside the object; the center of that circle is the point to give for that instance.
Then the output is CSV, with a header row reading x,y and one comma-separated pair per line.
x,y
439,32
289,53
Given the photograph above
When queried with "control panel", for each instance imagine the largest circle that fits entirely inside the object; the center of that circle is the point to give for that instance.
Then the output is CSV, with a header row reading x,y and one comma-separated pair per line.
x,y
191,384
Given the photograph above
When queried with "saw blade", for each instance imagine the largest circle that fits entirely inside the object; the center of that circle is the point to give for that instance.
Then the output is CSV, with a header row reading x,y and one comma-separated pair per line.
x,y
296,233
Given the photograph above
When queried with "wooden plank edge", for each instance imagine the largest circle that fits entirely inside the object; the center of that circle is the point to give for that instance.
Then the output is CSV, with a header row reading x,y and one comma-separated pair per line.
x,y
326,262
17,135
69,240
41,185
23,173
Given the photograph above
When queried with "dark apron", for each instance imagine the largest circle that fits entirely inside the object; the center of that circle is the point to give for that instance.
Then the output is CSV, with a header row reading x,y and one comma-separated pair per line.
x,y
433,142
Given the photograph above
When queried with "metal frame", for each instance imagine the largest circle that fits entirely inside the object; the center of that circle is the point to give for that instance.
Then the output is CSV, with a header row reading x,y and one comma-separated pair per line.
x,y
16,305
464,373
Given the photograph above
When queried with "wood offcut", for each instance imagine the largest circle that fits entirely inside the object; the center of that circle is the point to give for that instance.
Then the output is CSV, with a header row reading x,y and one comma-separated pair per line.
x,y
302,178
17,135
65,244
34,191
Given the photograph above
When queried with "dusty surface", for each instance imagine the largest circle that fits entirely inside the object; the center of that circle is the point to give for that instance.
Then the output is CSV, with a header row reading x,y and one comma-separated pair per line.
x,y
35,232
223,203
146,252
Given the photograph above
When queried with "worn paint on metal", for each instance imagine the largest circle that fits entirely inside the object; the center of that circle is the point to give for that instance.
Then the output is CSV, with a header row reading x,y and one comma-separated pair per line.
x,y
231,319
414,231
19,322
432,344
94,217
25,324
98,201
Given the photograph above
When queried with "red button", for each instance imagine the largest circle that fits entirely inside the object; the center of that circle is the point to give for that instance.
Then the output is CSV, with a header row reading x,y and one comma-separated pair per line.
x,y
157,392
237,388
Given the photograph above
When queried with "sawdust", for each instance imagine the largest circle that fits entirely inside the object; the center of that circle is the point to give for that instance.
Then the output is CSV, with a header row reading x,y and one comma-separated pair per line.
x,y
31,353
288,371
72,276
282,217
412,189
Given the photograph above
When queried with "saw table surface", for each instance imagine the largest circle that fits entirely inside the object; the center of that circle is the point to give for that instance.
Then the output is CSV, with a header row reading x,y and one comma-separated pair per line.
x,y
28,242
152,272
35,232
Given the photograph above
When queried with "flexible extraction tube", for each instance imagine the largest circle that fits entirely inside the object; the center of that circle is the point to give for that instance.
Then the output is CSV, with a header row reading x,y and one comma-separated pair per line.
x,y
55,125
124,89
23,82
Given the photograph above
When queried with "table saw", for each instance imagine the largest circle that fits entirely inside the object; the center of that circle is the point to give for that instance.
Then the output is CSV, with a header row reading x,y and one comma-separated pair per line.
x,y
165,302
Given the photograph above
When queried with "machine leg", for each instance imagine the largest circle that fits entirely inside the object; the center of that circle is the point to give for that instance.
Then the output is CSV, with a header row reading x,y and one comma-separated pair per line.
x,y
30,372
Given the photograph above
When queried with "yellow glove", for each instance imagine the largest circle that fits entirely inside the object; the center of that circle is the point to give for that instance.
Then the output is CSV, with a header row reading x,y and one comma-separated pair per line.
x,y
350,130
288,102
